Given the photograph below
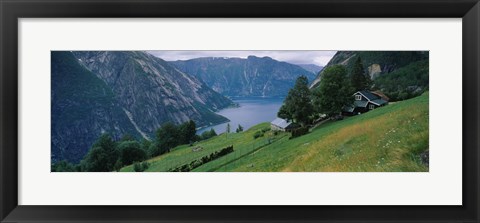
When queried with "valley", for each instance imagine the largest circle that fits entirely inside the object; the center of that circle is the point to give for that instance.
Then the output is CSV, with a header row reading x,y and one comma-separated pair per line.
x,y
131,111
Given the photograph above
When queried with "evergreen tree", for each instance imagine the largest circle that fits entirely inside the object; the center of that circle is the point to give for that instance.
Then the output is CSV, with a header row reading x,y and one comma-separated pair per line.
x,y
239,128
228,130
360,80
334,91
212,132
297,105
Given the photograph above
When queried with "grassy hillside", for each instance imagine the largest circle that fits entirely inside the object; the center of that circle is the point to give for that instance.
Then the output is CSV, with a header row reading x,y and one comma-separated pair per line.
x,y
390,138
243,143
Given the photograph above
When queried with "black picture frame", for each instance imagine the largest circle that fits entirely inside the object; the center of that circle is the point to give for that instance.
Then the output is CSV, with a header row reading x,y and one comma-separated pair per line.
x,y
12,10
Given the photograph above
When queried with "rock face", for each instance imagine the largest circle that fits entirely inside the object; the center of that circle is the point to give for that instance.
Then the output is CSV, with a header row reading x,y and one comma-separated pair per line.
x,y
374,70
133,92
376,63
82,108
253,76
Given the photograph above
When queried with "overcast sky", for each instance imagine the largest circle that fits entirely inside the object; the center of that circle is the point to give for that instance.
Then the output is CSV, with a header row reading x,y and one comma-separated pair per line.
x,y
320,58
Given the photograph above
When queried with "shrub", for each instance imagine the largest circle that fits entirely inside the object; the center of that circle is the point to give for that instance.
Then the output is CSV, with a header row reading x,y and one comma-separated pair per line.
x,y
118,165
299,132
258,134
198,162
137,167
140,167
145,165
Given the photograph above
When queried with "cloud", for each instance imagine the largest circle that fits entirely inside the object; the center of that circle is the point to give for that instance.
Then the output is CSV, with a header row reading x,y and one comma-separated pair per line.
x,y
320,58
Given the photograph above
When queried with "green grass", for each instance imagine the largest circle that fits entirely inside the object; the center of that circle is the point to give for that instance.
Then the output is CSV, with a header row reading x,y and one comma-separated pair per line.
x,y
243,143
387,139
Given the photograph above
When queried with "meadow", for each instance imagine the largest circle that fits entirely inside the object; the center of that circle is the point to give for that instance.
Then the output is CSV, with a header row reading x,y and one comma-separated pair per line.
x,y
392,138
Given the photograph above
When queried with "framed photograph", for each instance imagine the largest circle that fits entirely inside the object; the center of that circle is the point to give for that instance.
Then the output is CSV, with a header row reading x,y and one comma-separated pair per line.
x,y
234,111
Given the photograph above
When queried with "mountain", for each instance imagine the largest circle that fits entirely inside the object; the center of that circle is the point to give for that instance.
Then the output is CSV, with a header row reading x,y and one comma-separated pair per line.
x,y
253,76
376,63
82,108
311,67
121,92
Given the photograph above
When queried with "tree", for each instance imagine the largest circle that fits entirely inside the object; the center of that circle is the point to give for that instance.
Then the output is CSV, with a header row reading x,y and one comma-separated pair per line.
x,y
334,91
127,137
131,151
228,130
283,112
167,137
208,134
359,79
239,128
146,145
97,160
189,131
297,106
102,156
63,166
212,132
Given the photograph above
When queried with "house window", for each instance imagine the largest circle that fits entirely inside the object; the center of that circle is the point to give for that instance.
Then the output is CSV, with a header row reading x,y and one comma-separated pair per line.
x,y
358,97
371,106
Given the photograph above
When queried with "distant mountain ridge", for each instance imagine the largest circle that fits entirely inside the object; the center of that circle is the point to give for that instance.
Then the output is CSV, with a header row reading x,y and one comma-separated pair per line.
x,y
253,76
133,93
311,67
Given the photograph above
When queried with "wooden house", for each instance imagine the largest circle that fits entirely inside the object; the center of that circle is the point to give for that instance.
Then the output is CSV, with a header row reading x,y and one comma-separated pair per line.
x,y
364,102
280,124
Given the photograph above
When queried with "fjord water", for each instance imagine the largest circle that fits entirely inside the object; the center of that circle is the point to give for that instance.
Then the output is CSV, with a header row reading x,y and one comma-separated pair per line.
x,y
251,111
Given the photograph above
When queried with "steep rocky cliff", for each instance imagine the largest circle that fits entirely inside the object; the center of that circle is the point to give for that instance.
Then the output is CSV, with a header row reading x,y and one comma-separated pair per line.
x,y
83,107
134,93
376,63
253,76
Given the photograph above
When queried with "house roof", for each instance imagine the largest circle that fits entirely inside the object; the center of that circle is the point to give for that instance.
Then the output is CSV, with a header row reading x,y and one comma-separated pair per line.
x,y
280,122
368,95
362,104
381,95
379,102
